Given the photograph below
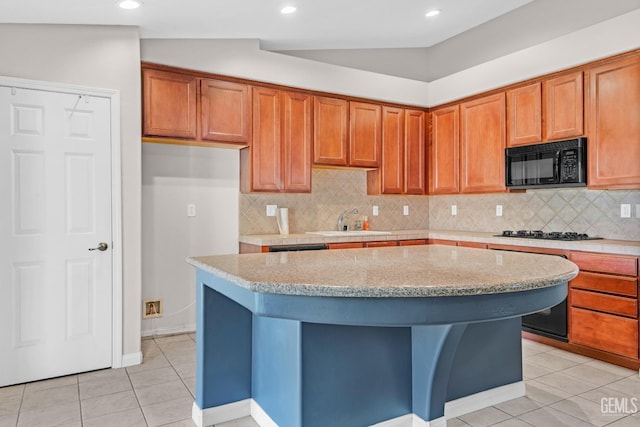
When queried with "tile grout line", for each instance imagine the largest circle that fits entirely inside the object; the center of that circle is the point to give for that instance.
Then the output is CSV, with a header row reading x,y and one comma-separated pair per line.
x,y
144,417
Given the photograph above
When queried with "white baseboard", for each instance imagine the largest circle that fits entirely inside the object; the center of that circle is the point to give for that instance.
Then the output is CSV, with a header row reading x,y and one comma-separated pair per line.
x,y
221,414
484,399
131,359
184,329
452,409
260,416
412,420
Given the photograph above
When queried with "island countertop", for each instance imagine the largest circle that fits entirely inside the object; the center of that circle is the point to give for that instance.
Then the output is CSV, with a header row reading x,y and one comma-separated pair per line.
x,y
415,271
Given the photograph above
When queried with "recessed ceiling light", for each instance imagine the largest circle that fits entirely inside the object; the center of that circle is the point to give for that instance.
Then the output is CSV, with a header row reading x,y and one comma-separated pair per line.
x,y
288,9
129,4
432,13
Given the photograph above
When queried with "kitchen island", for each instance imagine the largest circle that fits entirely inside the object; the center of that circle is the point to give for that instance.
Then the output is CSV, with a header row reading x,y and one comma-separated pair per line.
x,y
390,336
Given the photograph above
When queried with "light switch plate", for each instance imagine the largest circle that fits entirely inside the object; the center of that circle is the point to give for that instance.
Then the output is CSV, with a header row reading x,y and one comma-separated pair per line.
x,y
405,210
498,210
375,211
454,210
625,210
271,210
191,209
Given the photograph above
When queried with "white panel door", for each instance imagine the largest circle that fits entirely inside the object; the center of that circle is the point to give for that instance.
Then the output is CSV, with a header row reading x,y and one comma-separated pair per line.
x,y
55,187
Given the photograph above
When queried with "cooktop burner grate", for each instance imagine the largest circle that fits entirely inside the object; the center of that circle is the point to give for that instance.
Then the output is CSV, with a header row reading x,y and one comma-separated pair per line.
x,y
553,235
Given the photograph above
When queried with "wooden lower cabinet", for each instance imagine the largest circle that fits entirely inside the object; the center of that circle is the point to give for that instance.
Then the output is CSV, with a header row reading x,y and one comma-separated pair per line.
x,y
603,303
442,242
614,334
412,242
346,245
381,244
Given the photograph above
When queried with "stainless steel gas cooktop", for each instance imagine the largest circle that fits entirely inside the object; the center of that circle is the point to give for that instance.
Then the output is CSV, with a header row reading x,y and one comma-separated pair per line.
x,y
553,235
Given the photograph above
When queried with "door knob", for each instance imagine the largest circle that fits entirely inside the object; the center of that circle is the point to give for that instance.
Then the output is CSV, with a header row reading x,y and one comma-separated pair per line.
x,y
102,246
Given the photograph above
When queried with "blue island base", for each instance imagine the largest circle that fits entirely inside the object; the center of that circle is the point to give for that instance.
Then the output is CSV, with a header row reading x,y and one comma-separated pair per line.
x,y
293,373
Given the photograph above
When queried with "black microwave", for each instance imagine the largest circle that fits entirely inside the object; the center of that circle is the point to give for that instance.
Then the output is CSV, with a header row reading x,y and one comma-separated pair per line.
x,y
549,165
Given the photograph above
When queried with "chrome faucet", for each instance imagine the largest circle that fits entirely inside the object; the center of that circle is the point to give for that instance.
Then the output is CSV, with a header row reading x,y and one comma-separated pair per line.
x,y
343,216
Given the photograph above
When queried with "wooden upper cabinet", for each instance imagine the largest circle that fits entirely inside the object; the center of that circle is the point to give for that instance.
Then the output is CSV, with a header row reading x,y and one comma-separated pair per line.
x,y
402,169
524,115
280,151
415,160
169,104
564,106
392,170
266,144
364,134
297,140
330,125
444,151
225,111
614,125
482,144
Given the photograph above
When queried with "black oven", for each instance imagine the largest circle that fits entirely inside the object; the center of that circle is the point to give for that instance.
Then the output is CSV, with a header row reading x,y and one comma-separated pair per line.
x,y
553,164
550,323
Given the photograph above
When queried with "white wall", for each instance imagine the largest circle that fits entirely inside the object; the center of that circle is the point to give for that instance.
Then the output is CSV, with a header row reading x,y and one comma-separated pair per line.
x,y
173,177
102,57
607,38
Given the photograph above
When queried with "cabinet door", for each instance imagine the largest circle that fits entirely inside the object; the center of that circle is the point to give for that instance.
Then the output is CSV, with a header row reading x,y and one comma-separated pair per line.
x,y
482,144
169,104
564,111
296,141
607,332
524,115
614,125
364,134
392,150
225,111
266,148
330,136
444,151
414,153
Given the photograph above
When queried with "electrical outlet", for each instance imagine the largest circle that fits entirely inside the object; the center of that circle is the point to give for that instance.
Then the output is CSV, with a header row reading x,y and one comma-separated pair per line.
x,y
454,210
625,210
375,211
152,308
271,210
405,210
191,210
498,210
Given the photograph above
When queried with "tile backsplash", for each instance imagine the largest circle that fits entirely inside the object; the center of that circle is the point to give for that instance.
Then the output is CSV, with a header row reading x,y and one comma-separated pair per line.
x,y
333,191
594,212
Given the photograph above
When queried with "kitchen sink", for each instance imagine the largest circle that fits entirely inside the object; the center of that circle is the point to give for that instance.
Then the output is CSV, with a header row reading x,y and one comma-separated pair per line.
x,y
349,233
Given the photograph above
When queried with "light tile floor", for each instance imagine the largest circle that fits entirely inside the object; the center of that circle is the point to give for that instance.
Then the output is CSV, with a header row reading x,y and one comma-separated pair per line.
x,y
563,389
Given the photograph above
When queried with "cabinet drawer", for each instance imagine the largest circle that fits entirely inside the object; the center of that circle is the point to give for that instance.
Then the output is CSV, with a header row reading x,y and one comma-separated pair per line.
x,y
349,245
412,242
602,263
473,245
381,244
603,302
602,282
606,332
442,242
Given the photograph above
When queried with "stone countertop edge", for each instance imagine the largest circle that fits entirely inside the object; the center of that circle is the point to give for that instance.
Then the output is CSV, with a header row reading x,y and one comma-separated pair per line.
x,y
616,247
270,284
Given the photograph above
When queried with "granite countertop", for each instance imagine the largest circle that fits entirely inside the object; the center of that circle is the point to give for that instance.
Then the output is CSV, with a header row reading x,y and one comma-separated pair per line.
x,y
621,247
415,271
